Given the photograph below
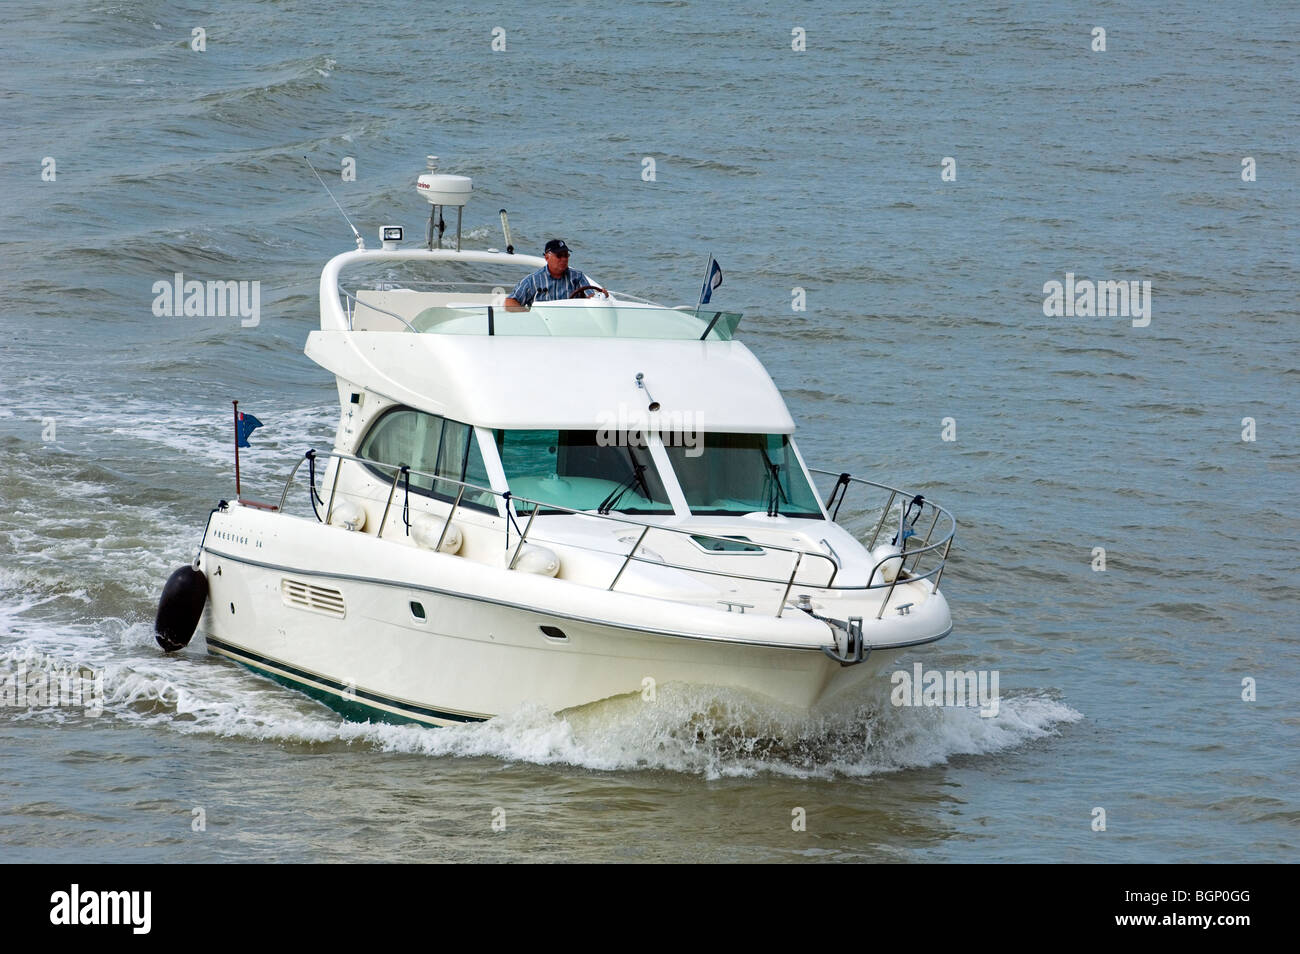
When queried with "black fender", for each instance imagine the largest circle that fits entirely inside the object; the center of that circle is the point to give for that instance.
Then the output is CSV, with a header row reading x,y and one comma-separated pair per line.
x,y
179,608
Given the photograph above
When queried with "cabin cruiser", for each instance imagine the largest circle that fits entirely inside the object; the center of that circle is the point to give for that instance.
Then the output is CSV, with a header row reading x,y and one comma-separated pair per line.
x,y
584,499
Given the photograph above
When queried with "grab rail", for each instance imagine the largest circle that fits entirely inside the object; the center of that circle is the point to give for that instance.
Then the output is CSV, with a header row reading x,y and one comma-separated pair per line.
x,y
364,304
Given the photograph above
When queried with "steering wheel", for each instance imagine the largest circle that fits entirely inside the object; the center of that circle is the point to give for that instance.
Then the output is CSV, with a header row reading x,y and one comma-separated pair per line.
x,y
581,292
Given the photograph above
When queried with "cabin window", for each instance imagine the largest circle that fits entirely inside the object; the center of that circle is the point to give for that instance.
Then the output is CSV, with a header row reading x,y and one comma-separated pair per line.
x,y
459,459
475,470
404,437
741,473
582,470
442,451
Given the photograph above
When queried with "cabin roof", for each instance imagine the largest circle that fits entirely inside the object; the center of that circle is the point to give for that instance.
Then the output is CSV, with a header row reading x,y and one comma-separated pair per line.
x,y
560,383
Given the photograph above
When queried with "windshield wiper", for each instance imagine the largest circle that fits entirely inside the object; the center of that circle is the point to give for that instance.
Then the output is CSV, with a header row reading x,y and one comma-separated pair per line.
x,y
638,471
772,489
615,495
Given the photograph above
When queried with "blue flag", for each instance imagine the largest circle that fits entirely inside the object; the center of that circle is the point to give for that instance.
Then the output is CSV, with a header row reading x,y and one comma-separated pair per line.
x,y
711,280
244,427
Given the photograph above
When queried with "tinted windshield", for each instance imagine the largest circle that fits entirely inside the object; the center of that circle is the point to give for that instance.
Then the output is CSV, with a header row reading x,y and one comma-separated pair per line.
x,y
741,473
582,470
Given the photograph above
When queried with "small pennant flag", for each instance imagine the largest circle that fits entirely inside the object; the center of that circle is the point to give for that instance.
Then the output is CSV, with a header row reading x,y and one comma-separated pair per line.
x,y
712,279
244,426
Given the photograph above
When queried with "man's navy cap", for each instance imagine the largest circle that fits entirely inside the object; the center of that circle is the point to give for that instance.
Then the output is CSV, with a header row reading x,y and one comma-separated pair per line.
x,y
557,246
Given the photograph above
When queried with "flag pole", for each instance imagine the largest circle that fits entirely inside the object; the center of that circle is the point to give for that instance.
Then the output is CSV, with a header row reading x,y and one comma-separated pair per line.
x,y
236,404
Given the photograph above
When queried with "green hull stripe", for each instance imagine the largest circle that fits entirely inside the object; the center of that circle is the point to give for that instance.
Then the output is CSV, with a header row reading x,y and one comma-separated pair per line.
x,y
352,705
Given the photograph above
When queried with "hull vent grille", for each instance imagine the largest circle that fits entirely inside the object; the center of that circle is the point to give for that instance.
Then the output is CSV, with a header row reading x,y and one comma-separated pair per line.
x,y
309,596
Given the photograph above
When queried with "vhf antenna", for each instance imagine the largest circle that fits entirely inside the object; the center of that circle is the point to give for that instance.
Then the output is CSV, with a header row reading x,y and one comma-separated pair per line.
x,y
361,243
505,227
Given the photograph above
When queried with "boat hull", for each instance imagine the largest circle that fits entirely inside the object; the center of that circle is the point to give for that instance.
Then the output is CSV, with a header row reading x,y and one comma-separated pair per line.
x,y
409,642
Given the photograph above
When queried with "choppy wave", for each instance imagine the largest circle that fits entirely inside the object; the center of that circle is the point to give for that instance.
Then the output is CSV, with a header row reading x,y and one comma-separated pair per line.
x,y
694,730
717,733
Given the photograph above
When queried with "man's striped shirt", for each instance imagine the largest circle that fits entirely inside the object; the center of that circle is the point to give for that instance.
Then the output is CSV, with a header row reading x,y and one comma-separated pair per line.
x,y
541,286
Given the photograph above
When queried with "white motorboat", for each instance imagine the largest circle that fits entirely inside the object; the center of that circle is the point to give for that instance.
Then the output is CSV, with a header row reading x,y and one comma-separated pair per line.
x,y
589,498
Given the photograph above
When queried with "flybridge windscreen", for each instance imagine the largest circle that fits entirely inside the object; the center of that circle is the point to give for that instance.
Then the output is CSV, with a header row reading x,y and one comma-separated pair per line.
x,y
576,319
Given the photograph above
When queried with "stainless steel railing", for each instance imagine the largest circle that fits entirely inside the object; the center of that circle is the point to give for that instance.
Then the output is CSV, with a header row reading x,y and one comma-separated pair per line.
x,y
930,545
361,304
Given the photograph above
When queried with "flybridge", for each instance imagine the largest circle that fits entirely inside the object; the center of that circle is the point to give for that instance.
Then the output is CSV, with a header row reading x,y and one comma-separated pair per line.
x,y
448,304
430,304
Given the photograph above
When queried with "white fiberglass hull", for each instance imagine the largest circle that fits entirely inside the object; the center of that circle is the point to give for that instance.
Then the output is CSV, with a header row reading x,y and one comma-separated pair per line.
x,y
388,632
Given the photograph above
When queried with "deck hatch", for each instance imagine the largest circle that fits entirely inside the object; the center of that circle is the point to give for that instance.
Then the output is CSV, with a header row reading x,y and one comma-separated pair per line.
x,y
730,543
310,596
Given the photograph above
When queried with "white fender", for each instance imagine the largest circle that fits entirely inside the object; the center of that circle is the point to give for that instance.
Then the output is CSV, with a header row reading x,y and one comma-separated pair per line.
x,y
426,529
349,515
889,569
534,559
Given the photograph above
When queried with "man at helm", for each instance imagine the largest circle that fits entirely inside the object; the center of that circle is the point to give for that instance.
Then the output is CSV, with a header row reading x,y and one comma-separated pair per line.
x,y
556,281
